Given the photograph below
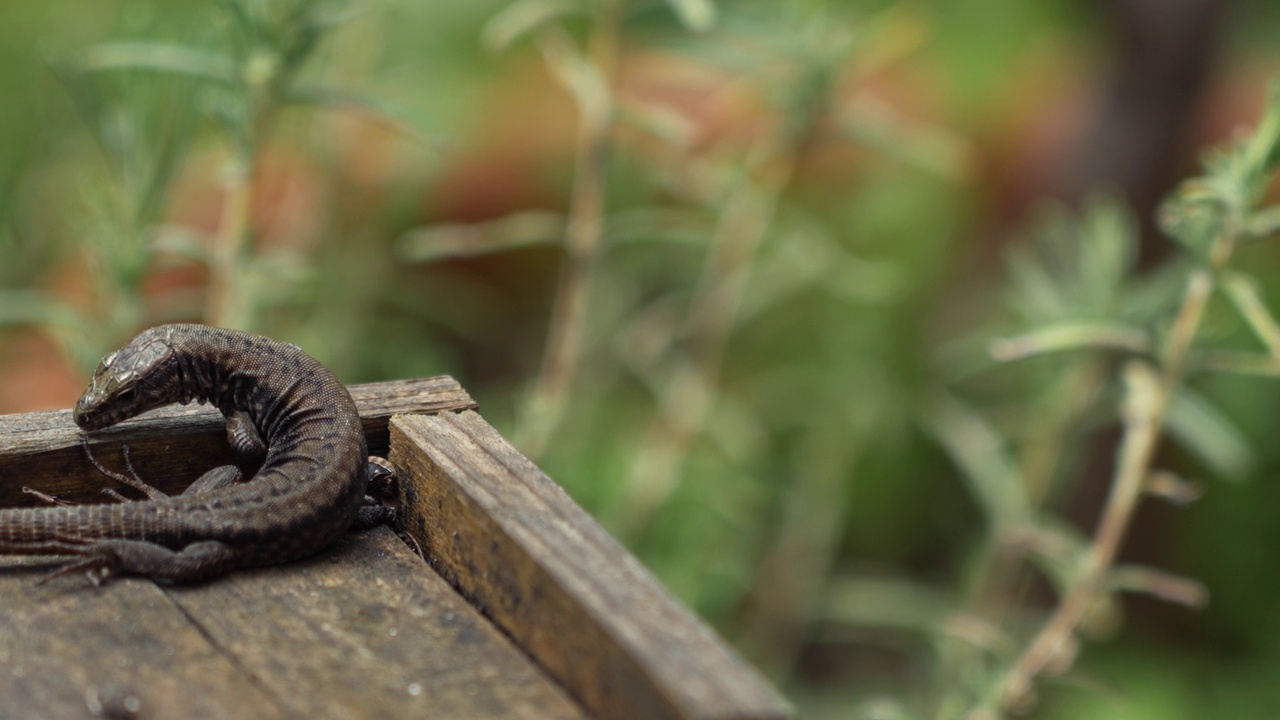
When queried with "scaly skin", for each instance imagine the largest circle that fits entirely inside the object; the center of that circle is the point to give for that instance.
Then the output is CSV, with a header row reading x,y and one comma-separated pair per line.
x,y
308,492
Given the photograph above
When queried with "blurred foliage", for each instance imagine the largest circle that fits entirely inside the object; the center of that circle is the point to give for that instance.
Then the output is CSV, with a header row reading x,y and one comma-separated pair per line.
x,y
724,270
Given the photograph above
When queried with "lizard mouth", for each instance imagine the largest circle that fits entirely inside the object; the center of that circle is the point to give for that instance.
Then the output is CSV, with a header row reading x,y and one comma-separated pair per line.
x,y
86,419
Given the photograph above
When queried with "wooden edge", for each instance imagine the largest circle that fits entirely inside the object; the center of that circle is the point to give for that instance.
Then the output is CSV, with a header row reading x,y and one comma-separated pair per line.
x,y
584,609
172,446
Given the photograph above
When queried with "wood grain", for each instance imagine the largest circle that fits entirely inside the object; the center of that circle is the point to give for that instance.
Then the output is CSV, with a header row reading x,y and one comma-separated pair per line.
x,y
172,446
518,547
362,630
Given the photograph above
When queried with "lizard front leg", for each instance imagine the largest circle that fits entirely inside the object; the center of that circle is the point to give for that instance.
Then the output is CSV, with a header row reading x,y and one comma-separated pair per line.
x,y
215,479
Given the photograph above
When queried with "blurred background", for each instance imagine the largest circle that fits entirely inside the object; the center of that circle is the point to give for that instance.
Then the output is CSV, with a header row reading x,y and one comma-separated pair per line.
x,y
728,270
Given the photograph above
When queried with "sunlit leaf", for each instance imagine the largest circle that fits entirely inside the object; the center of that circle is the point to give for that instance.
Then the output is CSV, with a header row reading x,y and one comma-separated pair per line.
x,y
444,240
578,74
523,17
159,57
696,15
882,708
1072,335
1265,222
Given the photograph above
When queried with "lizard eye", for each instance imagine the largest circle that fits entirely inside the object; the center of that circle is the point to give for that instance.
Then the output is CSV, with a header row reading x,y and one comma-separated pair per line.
x,y
126,395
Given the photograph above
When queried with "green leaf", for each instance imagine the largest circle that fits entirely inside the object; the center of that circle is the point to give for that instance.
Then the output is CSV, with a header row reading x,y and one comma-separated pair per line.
x,y
579,75
1246,296
1158,584
1108,248
1236,176
435,242
325,96
1034,293
159,57
1264,223
1262,151
983,459
696,15
525,16
1249,364
33,307
1209,435
1057,548
904,605
1072,335
1194,216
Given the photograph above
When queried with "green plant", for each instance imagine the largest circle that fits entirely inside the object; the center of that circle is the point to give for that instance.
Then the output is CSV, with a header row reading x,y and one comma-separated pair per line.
x,y
1094,342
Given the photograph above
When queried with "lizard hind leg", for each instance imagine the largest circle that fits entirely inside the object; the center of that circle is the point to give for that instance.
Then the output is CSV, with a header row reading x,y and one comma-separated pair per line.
x,y
101,559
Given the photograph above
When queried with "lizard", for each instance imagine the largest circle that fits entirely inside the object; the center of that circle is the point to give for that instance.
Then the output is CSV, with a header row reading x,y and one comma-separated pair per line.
x,y
282,408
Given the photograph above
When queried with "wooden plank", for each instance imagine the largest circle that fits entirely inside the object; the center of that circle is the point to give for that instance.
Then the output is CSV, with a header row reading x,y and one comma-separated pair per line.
x,y
514,543
42,450
61,643
362,630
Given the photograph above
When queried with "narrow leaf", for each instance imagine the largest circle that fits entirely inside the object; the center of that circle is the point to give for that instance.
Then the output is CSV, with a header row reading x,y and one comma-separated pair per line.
x,y
1245,294
523,17
982,457
1254,364
1066,336
1160,584
160,57
1209,435
1056,548
696,15
1177,490
904,605
445,240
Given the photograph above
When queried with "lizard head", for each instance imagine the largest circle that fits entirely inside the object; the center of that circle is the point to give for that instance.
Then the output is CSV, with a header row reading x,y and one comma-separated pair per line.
x,y
127,382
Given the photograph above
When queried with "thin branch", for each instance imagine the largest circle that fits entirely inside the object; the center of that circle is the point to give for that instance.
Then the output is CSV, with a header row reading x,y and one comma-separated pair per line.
x,y
1247,297
223,303
689,393
584,234
1149,396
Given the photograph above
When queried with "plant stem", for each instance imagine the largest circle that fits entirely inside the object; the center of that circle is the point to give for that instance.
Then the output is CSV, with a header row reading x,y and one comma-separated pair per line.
x,y
223,304
583,241
688,395
1148,404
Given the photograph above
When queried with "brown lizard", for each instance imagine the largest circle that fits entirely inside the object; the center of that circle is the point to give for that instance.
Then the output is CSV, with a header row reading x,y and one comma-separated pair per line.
x,y
282,408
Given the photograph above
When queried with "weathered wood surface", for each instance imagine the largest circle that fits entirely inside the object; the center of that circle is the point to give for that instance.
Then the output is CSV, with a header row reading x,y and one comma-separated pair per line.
x,y
42,450
514,543
364,630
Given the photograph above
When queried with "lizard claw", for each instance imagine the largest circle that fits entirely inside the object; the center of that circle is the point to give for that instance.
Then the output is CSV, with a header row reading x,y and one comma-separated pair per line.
x,y
98,563
97,569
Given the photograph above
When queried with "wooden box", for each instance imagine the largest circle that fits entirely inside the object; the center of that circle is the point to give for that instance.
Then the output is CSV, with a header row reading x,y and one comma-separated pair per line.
x,y
525,607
